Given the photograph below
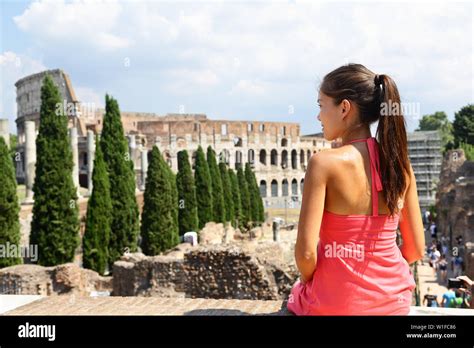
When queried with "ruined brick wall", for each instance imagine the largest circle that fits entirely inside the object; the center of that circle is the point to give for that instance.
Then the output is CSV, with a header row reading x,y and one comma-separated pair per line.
x,y
222,272
58,280
139,275
209,271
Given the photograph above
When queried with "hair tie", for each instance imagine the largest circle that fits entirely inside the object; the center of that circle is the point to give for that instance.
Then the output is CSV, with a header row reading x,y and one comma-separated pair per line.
x,y
378,80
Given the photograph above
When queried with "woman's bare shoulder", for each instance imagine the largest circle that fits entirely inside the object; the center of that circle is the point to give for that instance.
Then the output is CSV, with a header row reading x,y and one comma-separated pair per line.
x,y
324,162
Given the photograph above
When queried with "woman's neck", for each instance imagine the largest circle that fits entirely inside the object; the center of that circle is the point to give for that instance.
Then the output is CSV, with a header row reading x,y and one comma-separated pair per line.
x,y
359,132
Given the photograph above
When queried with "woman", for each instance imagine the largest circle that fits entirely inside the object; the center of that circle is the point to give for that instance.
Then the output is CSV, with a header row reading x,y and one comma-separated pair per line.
x,y
354,198
443,269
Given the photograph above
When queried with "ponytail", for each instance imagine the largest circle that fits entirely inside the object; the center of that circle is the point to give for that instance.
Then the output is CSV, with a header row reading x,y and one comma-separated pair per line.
x,y
378,99
392,138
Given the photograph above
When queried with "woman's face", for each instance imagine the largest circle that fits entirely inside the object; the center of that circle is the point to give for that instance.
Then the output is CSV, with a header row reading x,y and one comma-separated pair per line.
x,y
330,117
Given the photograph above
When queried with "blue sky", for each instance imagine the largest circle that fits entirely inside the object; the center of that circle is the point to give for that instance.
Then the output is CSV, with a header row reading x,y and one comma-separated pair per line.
x,y
238,60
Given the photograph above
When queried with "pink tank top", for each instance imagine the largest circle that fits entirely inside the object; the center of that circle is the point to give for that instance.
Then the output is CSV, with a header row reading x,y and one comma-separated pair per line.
x,y
360,269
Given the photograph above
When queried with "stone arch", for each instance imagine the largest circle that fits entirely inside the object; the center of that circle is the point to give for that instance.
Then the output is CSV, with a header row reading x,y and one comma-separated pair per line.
x,y
263,157
224,156
238,159
274,158
301,186
237,141
284,188
263,188
294,159
251,156
284,159
274,188
294,187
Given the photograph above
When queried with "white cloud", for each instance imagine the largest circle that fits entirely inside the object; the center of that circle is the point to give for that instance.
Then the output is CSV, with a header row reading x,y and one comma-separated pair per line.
x,y
264,49
89,20
248,88
89,96
187,81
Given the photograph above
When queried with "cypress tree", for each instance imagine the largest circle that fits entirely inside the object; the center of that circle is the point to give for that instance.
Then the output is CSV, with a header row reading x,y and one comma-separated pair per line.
x,y
244,199
187,212
158,230
9,208
235,198
174,192
216,183
256,203
203,188
55,223
125,214
227,189
99,217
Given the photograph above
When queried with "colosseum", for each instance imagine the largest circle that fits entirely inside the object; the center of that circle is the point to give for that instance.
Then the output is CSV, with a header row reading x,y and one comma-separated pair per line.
x,y
275,150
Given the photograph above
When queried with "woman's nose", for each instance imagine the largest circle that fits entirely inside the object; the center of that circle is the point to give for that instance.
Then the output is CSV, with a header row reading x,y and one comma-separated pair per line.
x,y
319,119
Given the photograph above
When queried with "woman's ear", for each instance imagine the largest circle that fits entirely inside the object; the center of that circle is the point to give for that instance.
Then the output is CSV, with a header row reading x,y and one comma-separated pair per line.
x,y
345,107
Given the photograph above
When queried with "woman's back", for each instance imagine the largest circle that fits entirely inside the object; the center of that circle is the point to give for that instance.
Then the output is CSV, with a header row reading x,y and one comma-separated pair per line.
x,y
360,269
348,191
346,248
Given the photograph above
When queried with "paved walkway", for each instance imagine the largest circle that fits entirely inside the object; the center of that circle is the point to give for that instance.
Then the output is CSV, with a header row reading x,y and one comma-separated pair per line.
x,y
71,305
429,279
116,306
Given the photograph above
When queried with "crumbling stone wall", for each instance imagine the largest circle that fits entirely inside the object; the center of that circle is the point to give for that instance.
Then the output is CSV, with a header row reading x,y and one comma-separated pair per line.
x,y
140,275
58,280
237,271
221,272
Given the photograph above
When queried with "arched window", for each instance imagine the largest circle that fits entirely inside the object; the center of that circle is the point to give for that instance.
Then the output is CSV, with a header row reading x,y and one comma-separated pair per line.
x,y
284,188
263,157
284,159
251,156
274,188
274,157
263,188
294,187
294,164
238,159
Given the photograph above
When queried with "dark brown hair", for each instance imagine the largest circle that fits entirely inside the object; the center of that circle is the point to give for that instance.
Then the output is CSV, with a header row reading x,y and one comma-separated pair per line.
x,y
378,99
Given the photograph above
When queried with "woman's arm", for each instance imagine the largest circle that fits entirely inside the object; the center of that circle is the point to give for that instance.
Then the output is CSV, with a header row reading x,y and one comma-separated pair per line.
x,y
312,207
411,225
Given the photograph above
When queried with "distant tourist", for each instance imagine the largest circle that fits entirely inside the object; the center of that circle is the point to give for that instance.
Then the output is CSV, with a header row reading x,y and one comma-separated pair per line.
x,y
443,269
444,245
460,300
457,266
448,298
430,300
435,257
433,230
367,275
